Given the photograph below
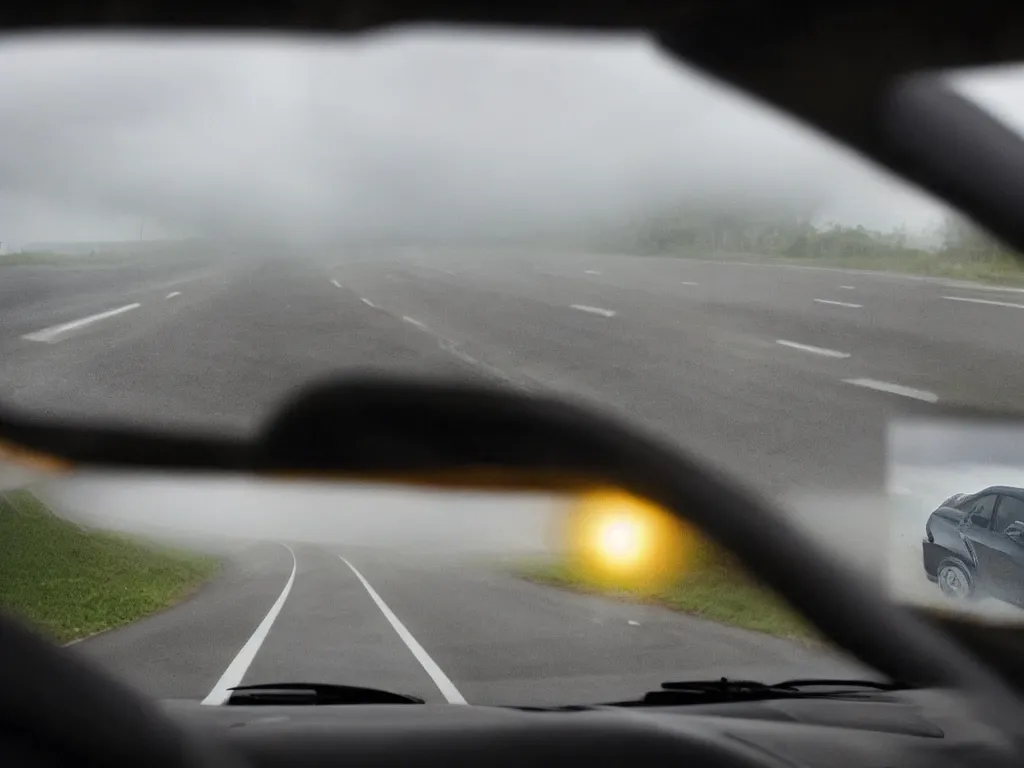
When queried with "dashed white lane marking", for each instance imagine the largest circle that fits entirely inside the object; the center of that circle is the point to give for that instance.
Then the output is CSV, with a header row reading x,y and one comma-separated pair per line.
x,y
813,350
984,301
172,294
847,287
594,310
368,303
236,669
413,321
441,680
335,283
50,334
895,389
633,623
839,303
593,272
687,282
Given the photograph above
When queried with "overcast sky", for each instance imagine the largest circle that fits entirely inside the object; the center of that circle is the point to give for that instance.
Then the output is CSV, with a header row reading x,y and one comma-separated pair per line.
x,y
413,134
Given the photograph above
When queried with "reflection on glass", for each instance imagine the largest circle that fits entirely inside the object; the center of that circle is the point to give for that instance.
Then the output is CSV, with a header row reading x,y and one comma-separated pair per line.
x,y
957,528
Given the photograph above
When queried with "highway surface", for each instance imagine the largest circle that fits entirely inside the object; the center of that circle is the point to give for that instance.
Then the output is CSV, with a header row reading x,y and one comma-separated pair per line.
x,y
784,377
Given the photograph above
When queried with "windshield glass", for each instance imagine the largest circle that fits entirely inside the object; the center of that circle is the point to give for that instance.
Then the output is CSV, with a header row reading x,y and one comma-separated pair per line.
x,y
190,230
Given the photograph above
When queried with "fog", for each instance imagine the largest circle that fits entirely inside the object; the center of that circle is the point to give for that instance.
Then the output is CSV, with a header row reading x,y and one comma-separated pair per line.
x,y
405,136
236,510
939,443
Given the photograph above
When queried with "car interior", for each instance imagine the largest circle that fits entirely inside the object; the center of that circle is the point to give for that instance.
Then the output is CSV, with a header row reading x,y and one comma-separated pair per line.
x,y
949,690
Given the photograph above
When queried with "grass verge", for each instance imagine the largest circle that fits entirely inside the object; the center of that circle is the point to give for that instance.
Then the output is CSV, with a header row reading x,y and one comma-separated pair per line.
x,y
924,264
713,588
70,583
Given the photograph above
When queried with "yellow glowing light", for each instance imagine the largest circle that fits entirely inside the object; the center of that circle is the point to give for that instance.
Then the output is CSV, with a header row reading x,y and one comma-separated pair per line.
x,y
620,540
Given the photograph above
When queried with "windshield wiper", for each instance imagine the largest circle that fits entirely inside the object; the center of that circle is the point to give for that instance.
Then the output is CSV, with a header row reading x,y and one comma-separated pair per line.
x,y
726,690
305,694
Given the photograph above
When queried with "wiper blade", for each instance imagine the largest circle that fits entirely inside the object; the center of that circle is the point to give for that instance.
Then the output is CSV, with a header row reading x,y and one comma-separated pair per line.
x,y
305,694
726,690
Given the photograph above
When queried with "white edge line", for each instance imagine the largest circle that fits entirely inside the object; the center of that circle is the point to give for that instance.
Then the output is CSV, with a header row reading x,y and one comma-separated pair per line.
x,y
413,321
594,310
978,287
895,389
839,303
984,301
441,680
172,294
236,669
368,303
51,333
813,350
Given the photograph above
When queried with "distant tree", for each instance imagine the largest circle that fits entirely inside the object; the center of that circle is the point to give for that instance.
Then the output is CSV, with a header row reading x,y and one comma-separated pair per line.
x,y
964,237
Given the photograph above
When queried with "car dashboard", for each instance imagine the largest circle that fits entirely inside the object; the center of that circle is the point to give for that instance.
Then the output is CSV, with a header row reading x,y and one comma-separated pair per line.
x,y
881,730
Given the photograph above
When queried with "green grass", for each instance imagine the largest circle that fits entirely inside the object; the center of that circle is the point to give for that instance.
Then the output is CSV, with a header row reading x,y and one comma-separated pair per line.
x,y
929,265
71,583
713,588
21,259
1004,271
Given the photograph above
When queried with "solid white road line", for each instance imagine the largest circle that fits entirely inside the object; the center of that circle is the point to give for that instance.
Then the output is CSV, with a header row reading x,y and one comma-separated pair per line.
x,y
172,294
368,303
441,680
813,350
413,321
51,334
895,389
979,287
236,669
594,310
335,283
839,303
984,301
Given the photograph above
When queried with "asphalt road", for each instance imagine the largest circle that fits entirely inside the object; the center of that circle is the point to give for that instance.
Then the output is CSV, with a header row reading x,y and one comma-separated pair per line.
x,y
784,377
443,628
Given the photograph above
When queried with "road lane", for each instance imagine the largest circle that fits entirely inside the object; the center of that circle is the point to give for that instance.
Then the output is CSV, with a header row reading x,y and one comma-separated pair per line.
x,y
493,638
36,295
507,641
744,358
182,652
218,357
719,385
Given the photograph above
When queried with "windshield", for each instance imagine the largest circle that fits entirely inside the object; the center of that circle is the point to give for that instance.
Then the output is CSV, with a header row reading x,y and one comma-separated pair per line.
x,y
190,230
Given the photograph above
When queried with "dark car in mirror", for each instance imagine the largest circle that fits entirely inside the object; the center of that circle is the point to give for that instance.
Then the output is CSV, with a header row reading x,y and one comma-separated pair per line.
x,y
973,545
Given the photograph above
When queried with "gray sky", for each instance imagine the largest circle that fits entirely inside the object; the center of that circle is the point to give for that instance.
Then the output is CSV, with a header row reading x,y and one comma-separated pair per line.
x,y
408,135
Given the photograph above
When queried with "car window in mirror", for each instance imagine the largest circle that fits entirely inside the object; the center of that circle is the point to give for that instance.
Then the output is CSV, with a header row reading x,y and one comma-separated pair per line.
x,y
980,512
1011,511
